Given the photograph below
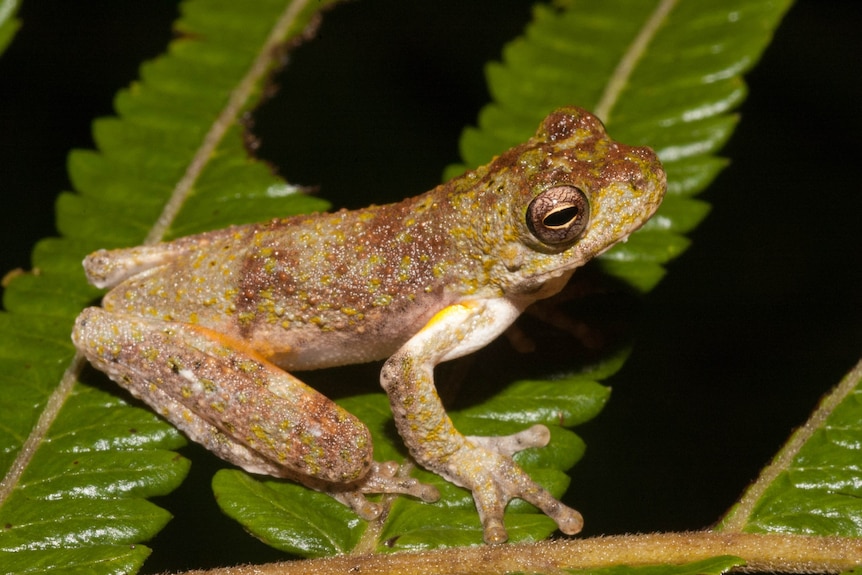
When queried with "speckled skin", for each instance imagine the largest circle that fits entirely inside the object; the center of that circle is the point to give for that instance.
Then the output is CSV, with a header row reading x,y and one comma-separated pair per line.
x,y
203,327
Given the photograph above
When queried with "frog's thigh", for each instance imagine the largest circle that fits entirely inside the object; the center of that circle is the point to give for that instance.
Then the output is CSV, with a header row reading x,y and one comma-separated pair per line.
x,y
227,397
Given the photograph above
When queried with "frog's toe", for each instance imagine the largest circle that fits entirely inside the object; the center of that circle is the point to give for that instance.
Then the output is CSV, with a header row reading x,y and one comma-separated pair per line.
x,y
386,477
536,436
355,500
494,532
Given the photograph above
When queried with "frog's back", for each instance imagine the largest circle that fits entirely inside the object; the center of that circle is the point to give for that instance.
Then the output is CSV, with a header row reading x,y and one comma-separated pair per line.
x,y
303,287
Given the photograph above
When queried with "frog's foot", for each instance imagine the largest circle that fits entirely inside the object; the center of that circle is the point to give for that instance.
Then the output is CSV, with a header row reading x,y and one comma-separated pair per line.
x,y
484,465
381,478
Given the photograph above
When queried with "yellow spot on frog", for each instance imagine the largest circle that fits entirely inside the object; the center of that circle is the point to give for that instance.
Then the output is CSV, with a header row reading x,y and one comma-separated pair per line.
x,y
382,300
247,366
445,313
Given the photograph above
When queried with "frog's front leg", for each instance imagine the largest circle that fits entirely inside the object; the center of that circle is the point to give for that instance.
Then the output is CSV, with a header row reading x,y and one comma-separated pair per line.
x,y
482,464
240,406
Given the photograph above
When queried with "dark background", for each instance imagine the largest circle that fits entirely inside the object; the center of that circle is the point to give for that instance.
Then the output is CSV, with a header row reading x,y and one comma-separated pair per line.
x,y
760,317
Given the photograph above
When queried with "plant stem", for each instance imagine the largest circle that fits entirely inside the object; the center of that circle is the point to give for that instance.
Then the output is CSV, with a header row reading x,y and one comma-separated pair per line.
x,y
761,552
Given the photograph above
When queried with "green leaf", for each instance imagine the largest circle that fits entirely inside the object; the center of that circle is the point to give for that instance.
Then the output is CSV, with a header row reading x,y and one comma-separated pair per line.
x,y
95,559
814,484
77,462
174,161
277,513
80,500
8,23
568,401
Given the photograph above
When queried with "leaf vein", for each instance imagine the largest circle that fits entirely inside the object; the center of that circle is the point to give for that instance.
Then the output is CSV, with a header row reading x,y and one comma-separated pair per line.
x,y
229,114
622,73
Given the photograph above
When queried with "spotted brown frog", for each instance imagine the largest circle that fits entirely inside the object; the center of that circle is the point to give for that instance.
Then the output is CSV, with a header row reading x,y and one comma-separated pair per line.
x,y
207,328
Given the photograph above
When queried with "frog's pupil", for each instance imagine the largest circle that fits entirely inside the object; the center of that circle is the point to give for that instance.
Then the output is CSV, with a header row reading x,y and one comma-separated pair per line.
x,y
560,217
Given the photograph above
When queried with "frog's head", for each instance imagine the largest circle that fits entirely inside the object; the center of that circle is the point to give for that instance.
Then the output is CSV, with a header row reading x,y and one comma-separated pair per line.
x,y
573,193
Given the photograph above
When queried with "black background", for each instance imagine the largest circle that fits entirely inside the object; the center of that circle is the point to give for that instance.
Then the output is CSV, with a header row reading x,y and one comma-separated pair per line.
x,y
748,329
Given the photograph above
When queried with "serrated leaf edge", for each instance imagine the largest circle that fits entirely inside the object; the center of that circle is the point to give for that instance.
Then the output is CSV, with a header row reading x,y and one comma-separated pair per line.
x,y
737,518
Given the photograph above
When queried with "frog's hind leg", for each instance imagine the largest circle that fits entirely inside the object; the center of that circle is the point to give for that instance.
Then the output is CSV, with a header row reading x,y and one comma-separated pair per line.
x,y
240,406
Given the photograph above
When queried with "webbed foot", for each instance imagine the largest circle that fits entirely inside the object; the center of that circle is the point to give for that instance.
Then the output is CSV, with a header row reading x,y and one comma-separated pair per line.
x,y
485,466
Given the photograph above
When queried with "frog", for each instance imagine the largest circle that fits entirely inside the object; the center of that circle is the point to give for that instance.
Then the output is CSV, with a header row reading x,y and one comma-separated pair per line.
x,y
209,329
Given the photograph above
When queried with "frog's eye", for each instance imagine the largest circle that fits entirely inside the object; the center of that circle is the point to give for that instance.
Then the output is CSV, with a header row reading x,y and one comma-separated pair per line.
x,y
558,215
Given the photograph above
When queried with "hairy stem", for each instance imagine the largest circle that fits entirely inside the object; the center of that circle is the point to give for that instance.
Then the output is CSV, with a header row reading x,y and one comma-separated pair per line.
x,y
762,553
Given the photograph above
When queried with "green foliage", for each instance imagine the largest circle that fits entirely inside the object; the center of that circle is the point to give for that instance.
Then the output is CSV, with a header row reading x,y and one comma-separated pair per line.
x,y
814,484
80,503
177,142
79,463
8,23
277,513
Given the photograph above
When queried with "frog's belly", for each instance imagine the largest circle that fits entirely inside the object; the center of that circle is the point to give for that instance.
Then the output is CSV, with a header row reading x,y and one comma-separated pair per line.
x,y
377,336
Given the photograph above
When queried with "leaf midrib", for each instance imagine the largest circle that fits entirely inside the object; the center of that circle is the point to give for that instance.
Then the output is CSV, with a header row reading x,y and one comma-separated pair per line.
x,y
626,66
229,115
